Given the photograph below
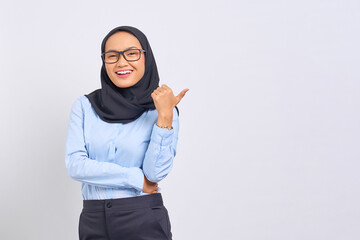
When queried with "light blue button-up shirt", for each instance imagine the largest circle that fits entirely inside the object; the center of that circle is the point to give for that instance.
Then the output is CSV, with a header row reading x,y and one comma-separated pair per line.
x,y
111,159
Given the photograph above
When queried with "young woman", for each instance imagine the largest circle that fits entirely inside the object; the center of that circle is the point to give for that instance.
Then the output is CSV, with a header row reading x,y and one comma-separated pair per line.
x,y
121,142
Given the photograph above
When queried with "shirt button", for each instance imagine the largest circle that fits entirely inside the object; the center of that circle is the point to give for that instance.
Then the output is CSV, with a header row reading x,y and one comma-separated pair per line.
x,y
109,205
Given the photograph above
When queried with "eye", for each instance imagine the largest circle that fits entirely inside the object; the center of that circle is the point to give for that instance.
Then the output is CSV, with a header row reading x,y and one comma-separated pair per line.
x,y
131,52
111,55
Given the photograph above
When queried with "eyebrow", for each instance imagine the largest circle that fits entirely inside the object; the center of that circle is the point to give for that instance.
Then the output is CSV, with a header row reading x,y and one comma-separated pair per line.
x,y
123,50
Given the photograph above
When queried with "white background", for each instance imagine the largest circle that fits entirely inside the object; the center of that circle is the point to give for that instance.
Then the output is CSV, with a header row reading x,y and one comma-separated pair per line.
x,y
269,131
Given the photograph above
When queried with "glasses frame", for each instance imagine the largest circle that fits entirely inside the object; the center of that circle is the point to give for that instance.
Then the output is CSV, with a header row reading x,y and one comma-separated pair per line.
x,y
122,53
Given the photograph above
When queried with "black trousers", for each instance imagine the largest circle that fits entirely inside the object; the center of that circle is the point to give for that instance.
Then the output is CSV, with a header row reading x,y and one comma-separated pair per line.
x,y
136,218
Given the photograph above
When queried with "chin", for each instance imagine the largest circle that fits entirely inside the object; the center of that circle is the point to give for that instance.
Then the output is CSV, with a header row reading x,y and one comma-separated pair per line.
x,y
123,83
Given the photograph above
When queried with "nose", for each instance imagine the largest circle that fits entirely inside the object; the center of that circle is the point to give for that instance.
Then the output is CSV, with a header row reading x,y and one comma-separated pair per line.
x,y
122,61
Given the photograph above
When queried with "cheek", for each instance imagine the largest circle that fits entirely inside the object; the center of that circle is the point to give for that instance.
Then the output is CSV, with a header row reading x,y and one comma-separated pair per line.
x,y
142,67
109,69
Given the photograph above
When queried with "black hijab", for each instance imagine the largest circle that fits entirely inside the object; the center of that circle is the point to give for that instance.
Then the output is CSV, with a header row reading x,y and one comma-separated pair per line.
x,y
124,105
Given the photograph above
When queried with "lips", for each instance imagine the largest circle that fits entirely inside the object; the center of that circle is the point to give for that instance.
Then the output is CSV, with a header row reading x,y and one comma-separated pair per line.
x,y
124,73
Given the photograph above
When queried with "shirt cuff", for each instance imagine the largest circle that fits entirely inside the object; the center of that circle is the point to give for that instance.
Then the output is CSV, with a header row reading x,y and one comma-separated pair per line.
x,y
162,136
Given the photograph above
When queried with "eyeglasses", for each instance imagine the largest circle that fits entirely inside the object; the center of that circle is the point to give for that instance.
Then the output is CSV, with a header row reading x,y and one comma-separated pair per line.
x,y
130,55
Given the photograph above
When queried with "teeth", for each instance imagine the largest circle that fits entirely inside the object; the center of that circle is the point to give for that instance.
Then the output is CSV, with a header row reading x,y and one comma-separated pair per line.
x,y
123,72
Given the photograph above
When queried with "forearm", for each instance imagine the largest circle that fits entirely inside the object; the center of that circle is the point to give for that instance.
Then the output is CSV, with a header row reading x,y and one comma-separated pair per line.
x,y
103,174
161,151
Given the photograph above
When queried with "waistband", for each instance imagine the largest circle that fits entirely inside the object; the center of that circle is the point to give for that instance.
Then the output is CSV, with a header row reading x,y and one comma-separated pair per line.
x,y
129,203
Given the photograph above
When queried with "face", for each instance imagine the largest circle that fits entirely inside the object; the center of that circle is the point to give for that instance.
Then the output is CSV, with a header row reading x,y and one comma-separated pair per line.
x,y
121,41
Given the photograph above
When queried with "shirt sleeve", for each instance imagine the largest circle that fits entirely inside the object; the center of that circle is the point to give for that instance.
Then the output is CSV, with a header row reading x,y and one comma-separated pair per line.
x,y
99,173
161,151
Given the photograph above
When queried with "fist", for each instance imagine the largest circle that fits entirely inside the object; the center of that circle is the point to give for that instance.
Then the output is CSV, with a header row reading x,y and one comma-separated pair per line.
x,y
149,187
165,100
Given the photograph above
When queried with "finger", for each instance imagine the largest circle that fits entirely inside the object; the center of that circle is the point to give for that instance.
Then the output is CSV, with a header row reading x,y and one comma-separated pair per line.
x,y
159,89
165,86
181,94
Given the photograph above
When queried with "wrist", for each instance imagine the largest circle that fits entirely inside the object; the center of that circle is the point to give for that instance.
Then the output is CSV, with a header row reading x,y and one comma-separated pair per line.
x,y
165,114
164,121
168,127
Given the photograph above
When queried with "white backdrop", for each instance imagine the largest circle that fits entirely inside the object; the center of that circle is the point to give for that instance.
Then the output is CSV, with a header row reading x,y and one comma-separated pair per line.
x,y
269,131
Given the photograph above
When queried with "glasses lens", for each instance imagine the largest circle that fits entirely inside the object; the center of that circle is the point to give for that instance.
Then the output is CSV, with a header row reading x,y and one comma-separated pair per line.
x,y
132,54
111,57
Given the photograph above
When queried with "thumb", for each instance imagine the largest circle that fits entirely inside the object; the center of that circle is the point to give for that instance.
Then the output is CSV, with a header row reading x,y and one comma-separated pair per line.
x,y
181,95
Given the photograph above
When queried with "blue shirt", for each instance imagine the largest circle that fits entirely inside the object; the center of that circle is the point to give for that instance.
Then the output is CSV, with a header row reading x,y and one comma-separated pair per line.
x,y
111,159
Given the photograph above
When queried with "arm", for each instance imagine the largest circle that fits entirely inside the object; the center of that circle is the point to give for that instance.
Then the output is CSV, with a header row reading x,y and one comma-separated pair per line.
x,y
81,168
161,151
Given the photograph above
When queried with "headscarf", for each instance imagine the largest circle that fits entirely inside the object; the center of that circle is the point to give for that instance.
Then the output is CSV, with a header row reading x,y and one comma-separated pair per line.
x,y
124,105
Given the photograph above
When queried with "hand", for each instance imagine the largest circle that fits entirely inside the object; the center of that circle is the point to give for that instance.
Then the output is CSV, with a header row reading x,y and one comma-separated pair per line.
x,y
164,99
149,187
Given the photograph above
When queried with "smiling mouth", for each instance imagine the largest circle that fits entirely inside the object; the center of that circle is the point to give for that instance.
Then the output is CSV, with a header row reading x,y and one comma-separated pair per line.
x,y
123,74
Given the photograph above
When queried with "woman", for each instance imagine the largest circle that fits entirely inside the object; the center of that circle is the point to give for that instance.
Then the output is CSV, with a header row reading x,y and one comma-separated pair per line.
x,y
121,142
